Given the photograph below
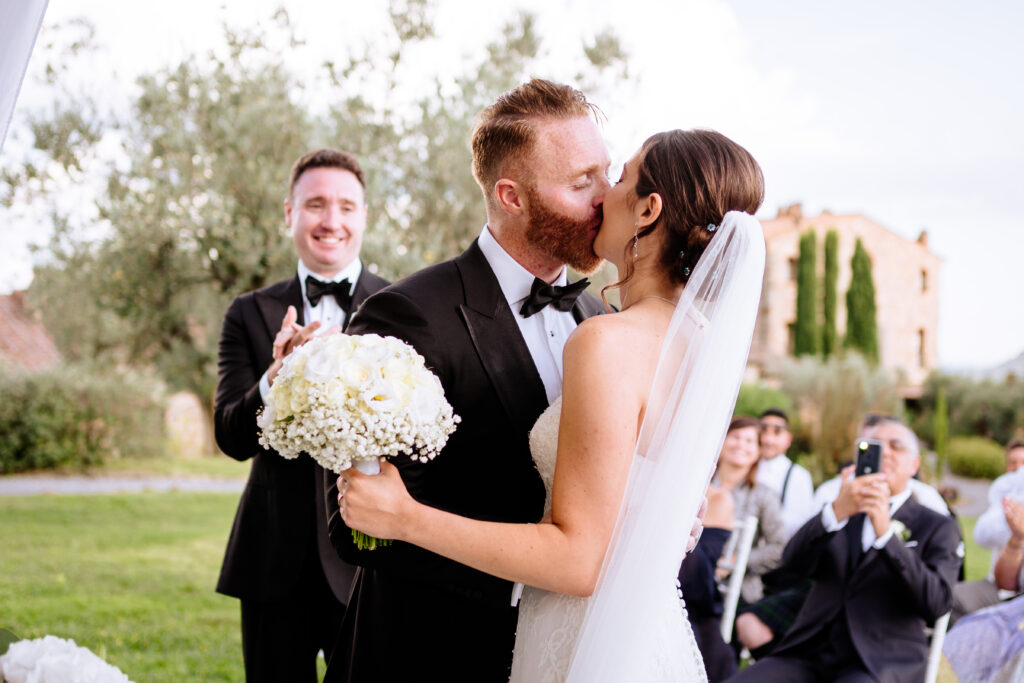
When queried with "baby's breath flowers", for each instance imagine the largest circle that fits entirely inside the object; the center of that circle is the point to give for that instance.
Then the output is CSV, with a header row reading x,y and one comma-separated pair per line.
x,y
343,399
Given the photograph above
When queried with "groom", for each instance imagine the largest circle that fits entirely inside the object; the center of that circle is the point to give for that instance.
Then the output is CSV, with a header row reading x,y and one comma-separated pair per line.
x,y
491,324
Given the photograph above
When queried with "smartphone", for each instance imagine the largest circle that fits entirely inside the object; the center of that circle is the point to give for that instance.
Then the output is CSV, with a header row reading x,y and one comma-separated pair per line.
x,y
868,456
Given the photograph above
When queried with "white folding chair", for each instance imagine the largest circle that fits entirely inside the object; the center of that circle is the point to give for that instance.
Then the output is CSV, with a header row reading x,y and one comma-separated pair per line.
x,y
740,542
935,650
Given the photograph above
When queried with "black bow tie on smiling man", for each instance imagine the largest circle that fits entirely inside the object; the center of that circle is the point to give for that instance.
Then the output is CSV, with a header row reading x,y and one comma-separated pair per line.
x,y
543,294
341,291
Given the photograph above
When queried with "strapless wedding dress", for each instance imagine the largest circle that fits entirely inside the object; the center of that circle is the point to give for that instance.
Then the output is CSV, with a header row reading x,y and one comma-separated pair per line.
x,y
549,623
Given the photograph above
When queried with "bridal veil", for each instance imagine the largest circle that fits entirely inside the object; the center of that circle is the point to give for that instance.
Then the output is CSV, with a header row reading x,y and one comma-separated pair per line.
x,y
635,628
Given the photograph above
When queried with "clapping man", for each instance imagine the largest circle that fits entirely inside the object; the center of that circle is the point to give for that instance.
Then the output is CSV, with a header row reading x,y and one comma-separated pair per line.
x,y
292,584
993,532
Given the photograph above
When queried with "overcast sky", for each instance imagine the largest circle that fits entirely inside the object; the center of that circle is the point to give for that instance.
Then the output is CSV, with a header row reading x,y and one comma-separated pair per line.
x,y
911,112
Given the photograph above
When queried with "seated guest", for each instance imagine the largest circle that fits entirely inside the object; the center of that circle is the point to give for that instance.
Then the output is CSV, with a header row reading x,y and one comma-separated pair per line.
x,y
737,474
759,626
704,603
991,531
988,645
882,566
776,471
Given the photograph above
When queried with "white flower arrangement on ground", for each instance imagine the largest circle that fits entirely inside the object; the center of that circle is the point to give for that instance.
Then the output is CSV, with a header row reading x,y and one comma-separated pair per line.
x,y
346,399
55,660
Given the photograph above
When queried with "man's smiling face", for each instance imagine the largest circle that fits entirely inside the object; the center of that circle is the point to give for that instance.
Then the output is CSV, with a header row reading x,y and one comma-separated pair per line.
x,y
327,216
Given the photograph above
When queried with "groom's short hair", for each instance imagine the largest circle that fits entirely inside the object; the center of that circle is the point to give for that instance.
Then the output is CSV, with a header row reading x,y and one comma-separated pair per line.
x,y
505,130
325,158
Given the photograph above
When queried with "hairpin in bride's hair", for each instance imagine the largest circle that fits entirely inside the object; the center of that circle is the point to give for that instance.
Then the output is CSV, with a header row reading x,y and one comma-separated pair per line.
x,y
711,227
682,254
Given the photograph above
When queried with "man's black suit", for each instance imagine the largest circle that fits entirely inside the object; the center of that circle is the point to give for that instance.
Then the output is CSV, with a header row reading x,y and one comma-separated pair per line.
x,y
876,603
415,615
278,551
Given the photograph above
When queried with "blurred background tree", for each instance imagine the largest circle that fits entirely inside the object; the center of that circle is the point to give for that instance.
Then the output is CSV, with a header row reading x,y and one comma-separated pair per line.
x,y
861,314
831,298
807,335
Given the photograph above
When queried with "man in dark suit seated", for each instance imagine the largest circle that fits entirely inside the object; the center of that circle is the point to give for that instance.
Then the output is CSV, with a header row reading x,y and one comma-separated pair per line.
x,y
279,560
883,567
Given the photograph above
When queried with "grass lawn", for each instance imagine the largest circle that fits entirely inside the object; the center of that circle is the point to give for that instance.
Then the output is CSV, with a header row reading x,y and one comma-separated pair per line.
x,y
129,576
977,560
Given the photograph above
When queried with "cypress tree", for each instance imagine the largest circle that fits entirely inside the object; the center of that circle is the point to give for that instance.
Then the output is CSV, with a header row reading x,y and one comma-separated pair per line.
x,y
861,315
828,332
940,426
806,335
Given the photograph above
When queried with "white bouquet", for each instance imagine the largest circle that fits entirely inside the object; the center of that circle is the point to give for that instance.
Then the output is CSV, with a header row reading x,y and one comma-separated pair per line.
x,y
347,399
54,660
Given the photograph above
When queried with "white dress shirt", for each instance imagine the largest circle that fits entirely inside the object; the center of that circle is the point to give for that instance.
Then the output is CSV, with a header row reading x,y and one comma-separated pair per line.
x,y
991,530
798,498
327,312
545,332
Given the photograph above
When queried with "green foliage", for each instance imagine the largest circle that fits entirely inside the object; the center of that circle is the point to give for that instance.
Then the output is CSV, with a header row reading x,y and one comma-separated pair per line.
x,y
129,576
861,314
940,439
976,408
832,397
830,302
976,457
807,335
756,398
76,416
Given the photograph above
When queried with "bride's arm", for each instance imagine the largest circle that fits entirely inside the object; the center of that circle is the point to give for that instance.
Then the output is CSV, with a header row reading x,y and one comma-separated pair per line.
x,y
605,380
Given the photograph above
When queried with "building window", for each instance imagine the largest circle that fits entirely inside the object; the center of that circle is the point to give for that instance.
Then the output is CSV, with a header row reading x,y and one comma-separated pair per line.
x,y
924,280
922,357
794,269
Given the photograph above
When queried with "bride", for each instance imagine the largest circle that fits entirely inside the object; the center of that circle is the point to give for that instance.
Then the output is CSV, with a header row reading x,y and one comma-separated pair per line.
x,y
627,451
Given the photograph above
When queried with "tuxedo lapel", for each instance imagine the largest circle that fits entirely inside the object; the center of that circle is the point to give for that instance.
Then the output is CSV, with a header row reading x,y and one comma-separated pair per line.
x,y
498,341
273,303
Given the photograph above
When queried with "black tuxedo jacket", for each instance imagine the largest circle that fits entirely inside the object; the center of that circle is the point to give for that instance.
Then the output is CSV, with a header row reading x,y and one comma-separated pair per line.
x,y
886,596
415,615
455,315
282,508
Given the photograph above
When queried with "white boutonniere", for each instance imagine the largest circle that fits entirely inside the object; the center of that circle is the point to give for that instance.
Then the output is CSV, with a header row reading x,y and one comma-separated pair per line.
x,y
899,529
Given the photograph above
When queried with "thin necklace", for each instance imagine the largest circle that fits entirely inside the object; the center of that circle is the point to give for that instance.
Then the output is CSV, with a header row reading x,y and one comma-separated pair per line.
x,y
649,296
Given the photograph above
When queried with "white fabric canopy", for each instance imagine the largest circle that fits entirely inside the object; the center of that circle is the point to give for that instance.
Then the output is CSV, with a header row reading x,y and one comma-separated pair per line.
x,y
18,30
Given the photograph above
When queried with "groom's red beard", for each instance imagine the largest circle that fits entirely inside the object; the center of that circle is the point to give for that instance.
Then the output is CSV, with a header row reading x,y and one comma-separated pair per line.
x,y
568,239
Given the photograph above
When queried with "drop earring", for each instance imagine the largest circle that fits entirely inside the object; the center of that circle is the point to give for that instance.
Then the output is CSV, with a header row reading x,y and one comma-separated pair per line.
x,y
636,240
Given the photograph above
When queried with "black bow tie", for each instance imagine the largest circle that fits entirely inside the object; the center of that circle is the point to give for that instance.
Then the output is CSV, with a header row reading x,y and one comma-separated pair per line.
x,y
543,294
341,291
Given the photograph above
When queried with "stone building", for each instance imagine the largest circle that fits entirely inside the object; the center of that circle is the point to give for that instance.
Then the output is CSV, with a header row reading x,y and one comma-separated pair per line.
x,y
906,277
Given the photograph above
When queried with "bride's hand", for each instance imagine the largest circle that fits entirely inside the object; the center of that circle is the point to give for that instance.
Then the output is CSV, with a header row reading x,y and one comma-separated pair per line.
x,y
376,504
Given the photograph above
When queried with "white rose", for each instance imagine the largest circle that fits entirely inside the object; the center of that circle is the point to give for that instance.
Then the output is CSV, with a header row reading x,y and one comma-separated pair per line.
x,y
324,363
380,396
423,405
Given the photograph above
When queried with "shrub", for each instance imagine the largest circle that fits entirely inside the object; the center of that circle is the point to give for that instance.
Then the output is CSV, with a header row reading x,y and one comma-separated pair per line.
x,y
975,457
76,416
756,398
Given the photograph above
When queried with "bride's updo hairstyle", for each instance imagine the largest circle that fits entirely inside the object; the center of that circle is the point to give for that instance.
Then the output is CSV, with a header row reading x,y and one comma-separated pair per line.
x,y
700,175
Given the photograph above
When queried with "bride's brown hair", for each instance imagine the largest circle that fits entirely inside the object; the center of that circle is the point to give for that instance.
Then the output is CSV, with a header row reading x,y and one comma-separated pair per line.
x,y
700,175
